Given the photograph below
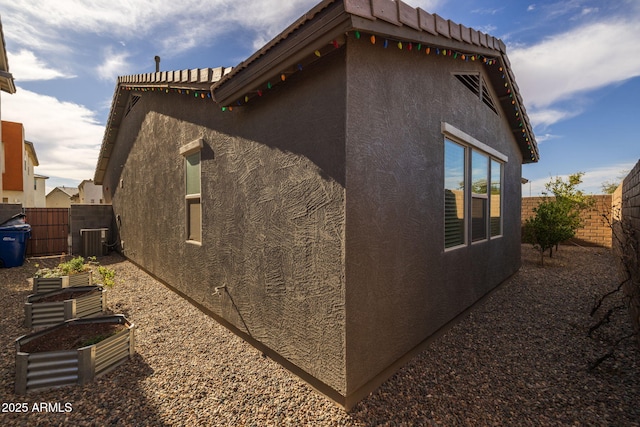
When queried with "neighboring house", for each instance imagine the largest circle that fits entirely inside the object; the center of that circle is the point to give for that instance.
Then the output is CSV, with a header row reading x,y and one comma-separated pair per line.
x,y
6,85
89,193
19,181
62,197
40,199
355,188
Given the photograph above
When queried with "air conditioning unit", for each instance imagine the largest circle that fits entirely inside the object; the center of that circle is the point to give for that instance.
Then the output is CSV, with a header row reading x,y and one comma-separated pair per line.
x,y
94,241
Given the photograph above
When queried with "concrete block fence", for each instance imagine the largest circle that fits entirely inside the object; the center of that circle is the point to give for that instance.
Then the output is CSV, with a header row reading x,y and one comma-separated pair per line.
x,y
597,228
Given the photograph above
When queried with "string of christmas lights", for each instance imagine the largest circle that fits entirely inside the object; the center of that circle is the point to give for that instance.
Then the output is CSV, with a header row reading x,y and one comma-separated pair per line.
x,y
417,48
203,94
408,46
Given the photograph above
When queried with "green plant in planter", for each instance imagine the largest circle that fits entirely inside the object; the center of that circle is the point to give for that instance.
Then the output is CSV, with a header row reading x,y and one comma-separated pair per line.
x,y
78,265
73,266
108,275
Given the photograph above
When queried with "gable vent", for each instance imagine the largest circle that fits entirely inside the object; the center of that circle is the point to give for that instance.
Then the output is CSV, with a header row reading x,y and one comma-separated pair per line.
x,y
133,100
478,86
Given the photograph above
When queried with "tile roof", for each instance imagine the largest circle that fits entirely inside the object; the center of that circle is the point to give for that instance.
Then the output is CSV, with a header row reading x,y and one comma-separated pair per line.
x,y
69,191
395,21
326,26
197,81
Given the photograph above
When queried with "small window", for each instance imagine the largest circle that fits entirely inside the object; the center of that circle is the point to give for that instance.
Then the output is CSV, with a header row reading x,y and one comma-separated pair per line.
x,y
192,197
193,205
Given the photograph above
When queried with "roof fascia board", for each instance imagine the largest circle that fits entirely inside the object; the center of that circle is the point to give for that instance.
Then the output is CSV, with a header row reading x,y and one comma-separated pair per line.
x,y
359,8
7,83
314,35
405,33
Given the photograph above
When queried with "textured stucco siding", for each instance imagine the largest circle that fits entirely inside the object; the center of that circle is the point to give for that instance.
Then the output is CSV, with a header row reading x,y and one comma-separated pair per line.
x,y
401,284
273,211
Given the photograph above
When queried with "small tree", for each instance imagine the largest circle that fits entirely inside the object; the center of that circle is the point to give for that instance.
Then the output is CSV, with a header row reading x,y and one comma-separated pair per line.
x,y
609,187
557,218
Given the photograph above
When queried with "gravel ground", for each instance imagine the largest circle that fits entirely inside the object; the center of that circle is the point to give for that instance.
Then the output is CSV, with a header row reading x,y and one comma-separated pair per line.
x,y
520,358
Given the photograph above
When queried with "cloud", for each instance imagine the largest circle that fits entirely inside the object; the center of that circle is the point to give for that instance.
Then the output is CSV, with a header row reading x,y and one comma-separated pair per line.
x,y
565,66
587,58
115,64
546,137
494,11
589,10
592,180
66,151
546,117
25,66
165,23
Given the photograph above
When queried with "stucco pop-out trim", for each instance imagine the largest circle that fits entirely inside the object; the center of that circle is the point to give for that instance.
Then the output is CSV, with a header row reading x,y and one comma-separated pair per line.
x,y
461,136
192,147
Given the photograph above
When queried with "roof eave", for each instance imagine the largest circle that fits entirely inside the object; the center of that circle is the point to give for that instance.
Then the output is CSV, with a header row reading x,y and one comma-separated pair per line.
x,y
32,149
328,23
316,31
195,79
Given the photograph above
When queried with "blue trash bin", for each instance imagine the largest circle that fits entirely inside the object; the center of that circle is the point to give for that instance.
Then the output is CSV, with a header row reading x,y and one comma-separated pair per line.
x,y
13,244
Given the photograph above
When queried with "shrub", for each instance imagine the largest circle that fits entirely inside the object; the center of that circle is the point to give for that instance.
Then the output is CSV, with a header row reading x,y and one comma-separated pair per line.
x,y
108,275
557,219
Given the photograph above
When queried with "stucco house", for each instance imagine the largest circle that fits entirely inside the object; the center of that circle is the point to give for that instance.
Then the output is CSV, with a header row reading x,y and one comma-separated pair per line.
x,y
62,197
337,198
20,183
6,85
89,193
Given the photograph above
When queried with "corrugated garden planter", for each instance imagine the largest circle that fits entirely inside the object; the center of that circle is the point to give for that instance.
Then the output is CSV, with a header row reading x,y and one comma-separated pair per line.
x,y
50,369
46,284
79,301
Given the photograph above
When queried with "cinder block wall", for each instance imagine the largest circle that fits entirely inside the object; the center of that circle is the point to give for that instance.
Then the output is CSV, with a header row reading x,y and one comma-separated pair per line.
x,y
597,229
89,216
629,198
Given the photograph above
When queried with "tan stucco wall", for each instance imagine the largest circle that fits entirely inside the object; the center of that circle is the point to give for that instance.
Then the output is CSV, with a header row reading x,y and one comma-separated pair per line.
x,y
58,199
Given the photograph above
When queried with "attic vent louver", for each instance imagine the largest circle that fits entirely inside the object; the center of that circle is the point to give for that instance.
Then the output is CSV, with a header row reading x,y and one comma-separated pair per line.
x,y
478,86
132,102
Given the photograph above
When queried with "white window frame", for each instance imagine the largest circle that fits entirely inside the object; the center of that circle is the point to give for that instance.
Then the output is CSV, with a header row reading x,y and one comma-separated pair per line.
x,y
186,151
470,144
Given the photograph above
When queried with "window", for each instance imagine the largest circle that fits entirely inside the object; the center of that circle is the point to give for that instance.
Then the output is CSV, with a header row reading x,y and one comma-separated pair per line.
x,y
454,194
496,198
472,189
479,195
194,215
193,207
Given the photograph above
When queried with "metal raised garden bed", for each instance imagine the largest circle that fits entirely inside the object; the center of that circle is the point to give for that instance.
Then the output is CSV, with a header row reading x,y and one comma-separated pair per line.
x,y
39,314
50,369
46,284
